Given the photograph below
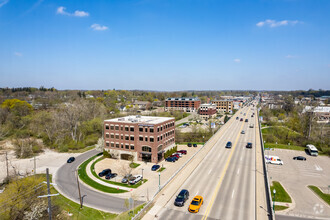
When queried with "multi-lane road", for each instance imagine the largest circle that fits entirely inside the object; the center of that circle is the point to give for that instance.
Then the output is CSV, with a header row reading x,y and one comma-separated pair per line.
x,y
225,178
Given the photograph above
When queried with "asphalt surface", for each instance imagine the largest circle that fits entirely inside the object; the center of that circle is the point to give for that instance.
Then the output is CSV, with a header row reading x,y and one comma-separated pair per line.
x,y
225,178
285,217
66,183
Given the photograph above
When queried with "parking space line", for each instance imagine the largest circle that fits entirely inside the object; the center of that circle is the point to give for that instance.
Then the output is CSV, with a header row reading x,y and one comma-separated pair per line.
x,y
232,194
238,171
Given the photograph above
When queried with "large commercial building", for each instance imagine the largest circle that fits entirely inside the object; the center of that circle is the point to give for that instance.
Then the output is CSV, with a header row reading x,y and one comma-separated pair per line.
x,y
182,104
224,105
207,111
145,138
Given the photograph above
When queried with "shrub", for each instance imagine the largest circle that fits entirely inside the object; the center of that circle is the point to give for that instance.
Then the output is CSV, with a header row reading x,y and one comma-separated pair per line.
x,y
106,154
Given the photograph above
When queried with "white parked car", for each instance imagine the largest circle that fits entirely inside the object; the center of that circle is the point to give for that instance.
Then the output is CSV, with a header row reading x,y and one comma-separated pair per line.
x,y
179,154
135,179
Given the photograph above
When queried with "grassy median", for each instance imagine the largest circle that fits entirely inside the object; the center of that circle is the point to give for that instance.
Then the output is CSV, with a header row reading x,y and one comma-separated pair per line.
x,y
324,196
281,195
86,179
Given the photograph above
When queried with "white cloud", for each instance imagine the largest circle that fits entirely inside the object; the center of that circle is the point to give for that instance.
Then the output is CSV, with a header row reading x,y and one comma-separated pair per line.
x,y
77,13
98,27
274,23
18,54
237,60
3,2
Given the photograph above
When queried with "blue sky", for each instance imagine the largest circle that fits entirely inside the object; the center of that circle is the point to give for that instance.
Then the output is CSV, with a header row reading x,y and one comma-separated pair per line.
x,y
165,44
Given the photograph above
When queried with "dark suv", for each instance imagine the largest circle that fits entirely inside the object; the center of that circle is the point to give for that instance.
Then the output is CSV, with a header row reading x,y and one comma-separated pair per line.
x,y
181,198
104,172
249,145
189,144
229,144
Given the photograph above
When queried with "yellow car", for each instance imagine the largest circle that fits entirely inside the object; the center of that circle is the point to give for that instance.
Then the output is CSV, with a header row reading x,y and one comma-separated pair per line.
x,y
195,204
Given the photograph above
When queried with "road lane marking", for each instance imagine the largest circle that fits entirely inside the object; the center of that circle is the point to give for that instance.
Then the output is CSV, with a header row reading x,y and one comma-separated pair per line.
x,y
210,171
232,194
238,171
241,158
197,193
215,193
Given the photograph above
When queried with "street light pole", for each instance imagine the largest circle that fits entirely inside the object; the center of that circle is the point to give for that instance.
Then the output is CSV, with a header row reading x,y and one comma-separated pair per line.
x,y
159,181
274,191
142,173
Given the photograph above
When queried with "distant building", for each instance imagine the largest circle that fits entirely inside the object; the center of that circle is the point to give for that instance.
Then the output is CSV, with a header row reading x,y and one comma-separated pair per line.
x,y
143,105
145,138
224,105
207,111
182,104
321,112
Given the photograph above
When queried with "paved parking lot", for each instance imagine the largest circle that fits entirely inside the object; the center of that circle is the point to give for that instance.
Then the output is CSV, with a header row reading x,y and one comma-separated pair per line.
x,y
295,176
148,189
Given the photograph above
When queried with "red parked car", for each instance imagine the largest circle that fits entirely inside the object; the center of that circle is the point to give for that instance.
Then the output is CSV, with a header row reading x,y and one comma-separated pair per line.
x,y
175,155
182,151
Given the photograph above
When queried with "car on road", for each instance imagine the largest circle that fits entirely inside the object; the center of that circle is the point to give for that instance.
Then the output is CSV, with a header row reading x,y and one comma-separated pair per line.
x,y
229,144
237,118
135,179
252,116
299,158
110,175
243,132
195,204
195,145
104,172
189,144
251,125
171,159
155,167
126,178
184,152
241,119
273,160
181,198
71,159
249,145
246,120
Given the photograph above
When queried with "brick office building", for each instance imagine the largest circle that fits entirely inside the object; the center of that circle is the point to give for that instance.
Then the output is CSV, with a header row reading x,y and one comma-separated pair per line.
x,y
146,138
207,111
182,104
224,105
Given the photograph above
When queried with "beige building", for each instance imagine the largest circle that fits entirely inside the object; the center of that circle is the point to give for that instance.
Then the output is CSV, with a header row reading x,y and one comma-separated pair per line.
x,y
224,105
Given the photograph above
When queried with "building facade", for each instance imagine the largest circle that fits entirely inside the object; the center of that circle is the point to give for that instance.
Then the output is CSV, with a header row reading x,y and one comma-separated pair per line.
x,y
182,104
145,138
207,111
224,105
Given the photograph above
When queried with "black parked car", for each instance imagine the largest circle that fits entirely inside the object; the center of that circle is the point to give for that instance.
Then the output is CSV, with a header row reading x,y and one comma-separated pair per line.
x,y
71,159
155,167
229,144
195,145
246,120
189,144
104,172
110,175
299,158
181,198
249,145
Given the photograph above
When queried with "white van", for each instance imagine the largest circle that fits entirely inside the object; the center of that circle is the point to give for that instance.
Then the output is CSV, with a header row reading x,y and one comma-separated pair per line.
x,y
273,160
312,150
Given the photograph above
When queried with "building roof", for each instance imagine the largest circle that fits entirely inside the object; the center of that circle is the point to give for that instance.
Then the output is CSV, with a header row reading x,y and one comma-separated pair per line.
x,y
138,119
183,99
223,100
320,109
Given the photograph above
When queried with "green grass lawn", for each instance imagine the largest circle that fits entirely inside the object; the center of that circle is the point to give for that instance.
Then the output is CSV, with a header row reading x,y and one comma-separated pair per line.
x,y
284,146
324,196
134,165
126,215
86,179
162,169
280,207
281,195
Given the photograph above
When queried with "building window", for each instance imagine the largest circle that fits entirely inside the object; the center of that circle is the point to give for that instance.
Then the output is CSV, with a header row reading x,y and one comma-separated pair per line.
x,y
126,128
111,127
132,129
157,129
112,136
117,136
107,144
126,146
157,138
117,127
127,138
146,138
140,129
121,128
132,138
122,145
146,149
132,147
146,129
140,138
151,130
112,145
122,137
107,135
151,139
117,145
107,127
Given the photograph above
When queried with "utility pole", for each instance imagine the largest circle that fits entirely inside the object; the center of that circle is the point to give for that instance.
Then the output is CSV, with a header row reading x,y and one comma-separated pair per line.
x,y
79,189
35,165
49,200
